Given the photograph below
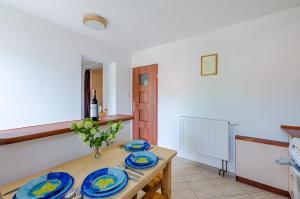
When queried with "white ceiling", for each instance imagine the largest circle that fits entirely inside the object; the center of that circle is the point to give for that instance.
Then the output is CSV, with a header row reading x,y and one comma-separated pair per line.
x,y
139,24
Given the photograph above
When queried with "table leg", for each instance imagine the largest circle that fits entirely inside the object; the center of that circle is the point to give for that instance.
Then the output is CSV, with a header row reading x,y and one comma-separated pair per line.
x,y
166,181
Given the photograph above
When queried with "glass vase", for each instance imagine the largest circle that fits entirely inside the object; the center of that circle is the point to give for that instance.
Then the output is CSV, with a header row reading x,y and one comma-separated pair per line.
x,y
97,154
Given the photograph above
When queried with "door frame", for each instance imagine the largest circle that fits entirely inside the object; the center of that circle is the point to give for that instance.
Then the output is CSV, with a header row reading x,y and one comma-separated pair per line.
x,y
135,85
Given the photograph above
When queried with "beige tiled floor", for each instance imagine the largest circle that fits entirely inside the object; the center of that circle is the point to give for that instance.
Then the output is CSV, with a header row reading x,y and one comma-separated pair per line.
x,y
194,181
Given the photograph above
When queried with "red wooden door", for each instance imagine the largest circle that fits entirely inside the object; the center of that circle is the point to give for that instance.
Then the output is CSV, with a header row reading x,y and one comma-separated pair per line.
x,y
144,104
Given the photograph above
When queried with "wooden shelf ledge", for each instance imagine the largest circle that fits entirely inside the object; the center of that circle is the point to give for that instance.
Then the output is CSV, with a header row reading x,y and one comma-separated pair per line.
x,y
16,135
292,131
262,141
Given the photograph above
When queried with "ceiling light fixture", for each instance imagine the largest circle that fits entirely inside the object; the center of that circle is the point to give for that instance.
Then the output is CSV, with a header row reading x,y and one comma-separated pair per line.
x,y
95,22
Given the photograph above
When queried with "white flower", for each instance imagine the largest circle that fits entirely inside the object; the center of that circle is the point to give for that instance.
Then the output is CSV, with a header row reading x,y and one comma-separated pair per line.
x,y
82,136
93,131
87,143
88,124
80,124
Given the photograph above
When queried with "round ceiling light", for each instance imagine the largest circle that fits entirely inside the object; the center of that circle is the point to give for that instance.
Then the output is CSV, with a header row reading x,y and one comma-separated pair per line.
x,y
95,22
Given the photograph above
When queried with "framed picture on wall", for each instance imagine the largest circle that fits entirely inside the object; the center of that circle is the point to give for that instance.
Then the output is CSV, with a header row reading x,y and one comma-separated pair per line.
x,y
209,64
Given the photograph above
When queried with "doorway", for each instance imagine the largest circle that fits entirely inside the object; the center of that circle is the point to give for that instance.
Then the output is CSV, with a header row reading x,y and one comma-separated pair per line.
x,y
105,84
92,80
144,104
96,83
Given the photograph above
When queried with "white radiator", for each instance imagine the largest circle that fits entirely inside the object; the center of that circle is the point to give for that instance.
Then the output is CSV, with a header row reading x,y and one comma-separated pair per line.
x,y
204,136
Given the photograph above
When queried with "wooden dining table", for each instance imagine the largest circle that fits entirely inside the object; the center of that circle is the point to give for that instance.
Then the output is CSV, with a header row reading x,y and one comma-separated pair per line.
x,y
110,157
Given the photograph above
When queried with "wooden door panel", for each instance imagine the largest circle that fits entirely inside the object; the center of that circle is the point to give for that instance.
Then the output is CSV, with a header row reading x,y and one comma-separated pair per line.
x,y
145,102
144,133
143,124
144,115
144,97
143,88
143,106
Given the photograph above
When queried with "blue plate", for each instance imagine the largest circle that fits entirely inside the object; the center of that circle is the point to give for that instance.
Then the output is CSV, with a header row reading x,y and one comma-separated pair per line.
x,y
137,145
132,165
104,179
62,192
142,158
44,186
89,193
65,190
129,164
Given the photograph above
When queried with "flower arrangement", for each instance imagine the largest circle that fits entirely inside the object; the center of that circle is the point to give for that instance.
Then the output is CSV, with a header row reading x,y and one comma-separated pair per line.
x,y
92,135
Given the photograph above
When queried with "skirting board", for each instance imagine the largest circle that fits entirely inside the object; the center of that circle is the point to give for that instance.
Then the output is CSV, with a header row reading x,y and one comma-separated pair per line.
x,y
263,186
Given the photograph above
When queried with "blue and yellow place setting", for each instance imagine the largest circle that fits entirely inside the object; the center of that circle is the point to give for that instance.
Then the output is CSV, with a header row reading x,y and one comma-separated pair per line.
x,y
141,160
137,145
50,186
104,182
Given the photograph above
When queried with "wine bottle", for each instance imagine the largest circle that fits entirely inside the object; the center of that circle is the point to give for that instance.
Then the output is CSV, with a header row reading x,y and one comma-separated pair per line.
x,y
94,107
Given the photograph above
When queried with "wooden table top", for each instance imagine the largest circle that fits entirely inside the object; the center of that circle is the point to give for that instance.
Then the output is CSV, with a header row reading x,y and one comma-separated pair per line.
x,y
111,156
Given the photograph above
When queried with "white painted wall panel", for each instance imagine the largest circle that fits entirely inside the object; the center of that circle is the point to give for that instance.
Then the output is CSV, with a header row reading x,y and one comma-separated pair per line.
x,y
256,162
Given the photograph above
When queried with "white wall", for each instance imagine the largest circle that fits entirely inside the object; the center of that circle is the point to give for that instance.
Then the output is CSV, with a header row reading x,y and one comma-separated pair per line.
x,y
40,69
258,84
109,87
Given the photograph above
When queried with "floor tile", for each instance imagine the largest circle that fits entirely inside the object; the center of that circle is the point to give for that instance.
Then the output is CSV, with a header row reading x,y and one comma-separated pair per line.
x,y
176,179
207,192
249,189
176,172
209,174
223,181
181,186
243,196
266,195
195,184
184,165
184,195
193,177
192,170
230,189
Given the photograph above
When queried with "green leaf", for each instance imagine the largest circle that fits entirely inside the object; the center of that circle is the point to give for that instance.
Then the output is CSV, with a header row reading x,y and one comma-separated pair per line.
x,y
92,135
